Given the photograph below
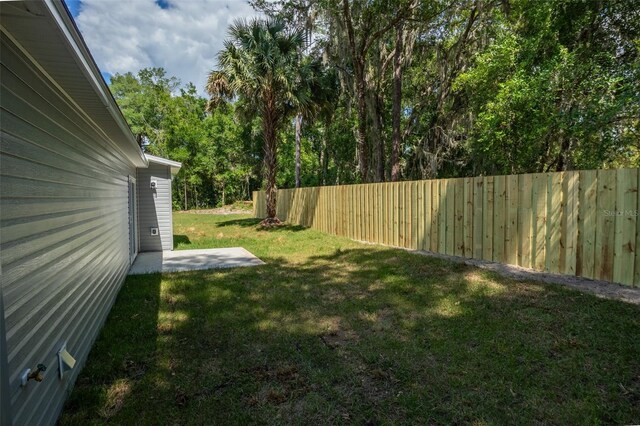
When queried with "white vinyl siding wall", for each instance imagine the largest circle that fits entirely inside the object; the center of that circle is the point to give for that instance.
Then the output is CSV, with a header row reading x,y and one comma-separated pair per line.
x,y
154,208
64,232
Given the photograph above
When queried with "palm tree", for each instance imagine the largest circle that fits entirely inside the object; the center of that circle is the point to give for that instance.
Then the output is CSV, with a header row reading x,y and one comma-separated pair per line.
x,y
260,67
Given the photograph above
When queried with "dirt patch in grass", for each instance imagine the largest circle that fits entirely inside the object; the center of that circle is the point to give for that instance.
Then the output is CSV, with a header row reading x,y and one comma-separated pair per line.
x,y
226,210
115,397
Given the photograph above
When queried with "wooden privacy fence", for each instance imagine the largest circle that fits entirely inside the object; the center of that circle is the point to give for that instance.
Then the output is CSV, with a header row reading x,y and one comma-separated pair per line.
x,y
582,223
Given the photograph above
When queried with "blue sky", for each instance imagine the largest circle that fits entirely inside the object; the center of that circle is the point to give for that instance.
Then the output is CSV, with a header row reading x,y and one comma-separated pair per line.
x,y
74,6
182,36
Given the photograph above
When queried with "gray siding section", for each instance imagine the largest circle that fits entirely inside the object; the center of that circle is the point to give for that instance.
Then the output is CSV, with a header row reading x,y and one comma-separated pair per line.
x,y
5,402
64,232
154,208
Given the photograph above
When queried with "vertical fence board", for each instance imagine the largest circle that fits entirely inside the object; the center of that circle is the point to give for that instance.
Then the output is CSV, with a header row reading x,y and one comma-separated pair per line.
x,y
478,217
345,209
554,218
605,224
350,203
414,215
570,216
335,201
308,206
420,215
331,198
338,190
379,214
370,231
442,216
332,210
396,212
363,212
539,200
336,209
435,214
364,189
402,212
524,220
458,225
499,203
511,230
357,213
384,211
304,208
372,214
319,210
468,217
487,220
587,218
386,216
408,243
405,215
625,226
383,219
450,193
426,245
323,209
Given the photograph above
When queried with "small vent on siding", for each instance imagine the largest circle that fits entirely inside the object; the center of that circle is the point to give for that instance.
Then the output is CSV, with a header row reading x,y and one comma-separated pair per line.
x,y
66,362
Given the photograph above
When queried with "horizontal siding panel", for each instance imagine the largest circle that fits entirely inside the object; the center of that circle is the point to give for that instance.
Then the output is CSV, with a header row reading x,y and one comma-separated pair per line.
x,y
22,84
19,229
53,254
15,187
19,210
98,149
30,170
62,159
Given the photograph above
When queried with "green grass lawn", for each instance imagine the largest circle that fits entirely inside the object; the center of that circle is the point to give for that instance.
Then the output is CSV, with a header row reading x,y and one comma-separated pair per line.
x,y
331,331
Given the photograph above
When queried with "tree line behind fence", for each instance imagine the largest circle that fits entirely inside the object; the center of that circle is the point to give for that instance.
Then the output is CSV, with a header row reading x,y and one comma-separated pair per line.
x,y
582,223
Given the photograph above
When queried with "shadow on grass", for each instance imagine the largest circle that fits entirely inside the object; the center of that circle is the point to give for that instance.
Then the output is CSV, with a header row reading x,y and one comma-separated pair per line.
x,y
362,336
255,223
180,239
125,350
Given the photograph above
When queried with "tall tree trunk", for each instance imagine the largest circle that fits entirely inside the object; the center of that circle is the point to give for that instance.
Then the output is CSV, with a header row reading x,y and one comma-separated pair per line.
x,y
270,158
361,130
361,103
380,143
324,157
186,207
298,147
376,138
397,105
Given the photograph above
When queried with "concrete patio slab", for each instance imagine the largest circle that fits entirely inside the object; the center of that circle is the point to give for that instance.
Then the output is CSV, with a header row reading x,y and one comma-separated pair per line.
x,y
192,260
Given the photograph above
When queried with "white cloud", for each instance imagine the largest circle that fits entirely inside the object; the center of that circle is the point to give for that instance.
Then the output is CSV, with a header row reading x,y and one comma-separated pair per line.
x,y
184,39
